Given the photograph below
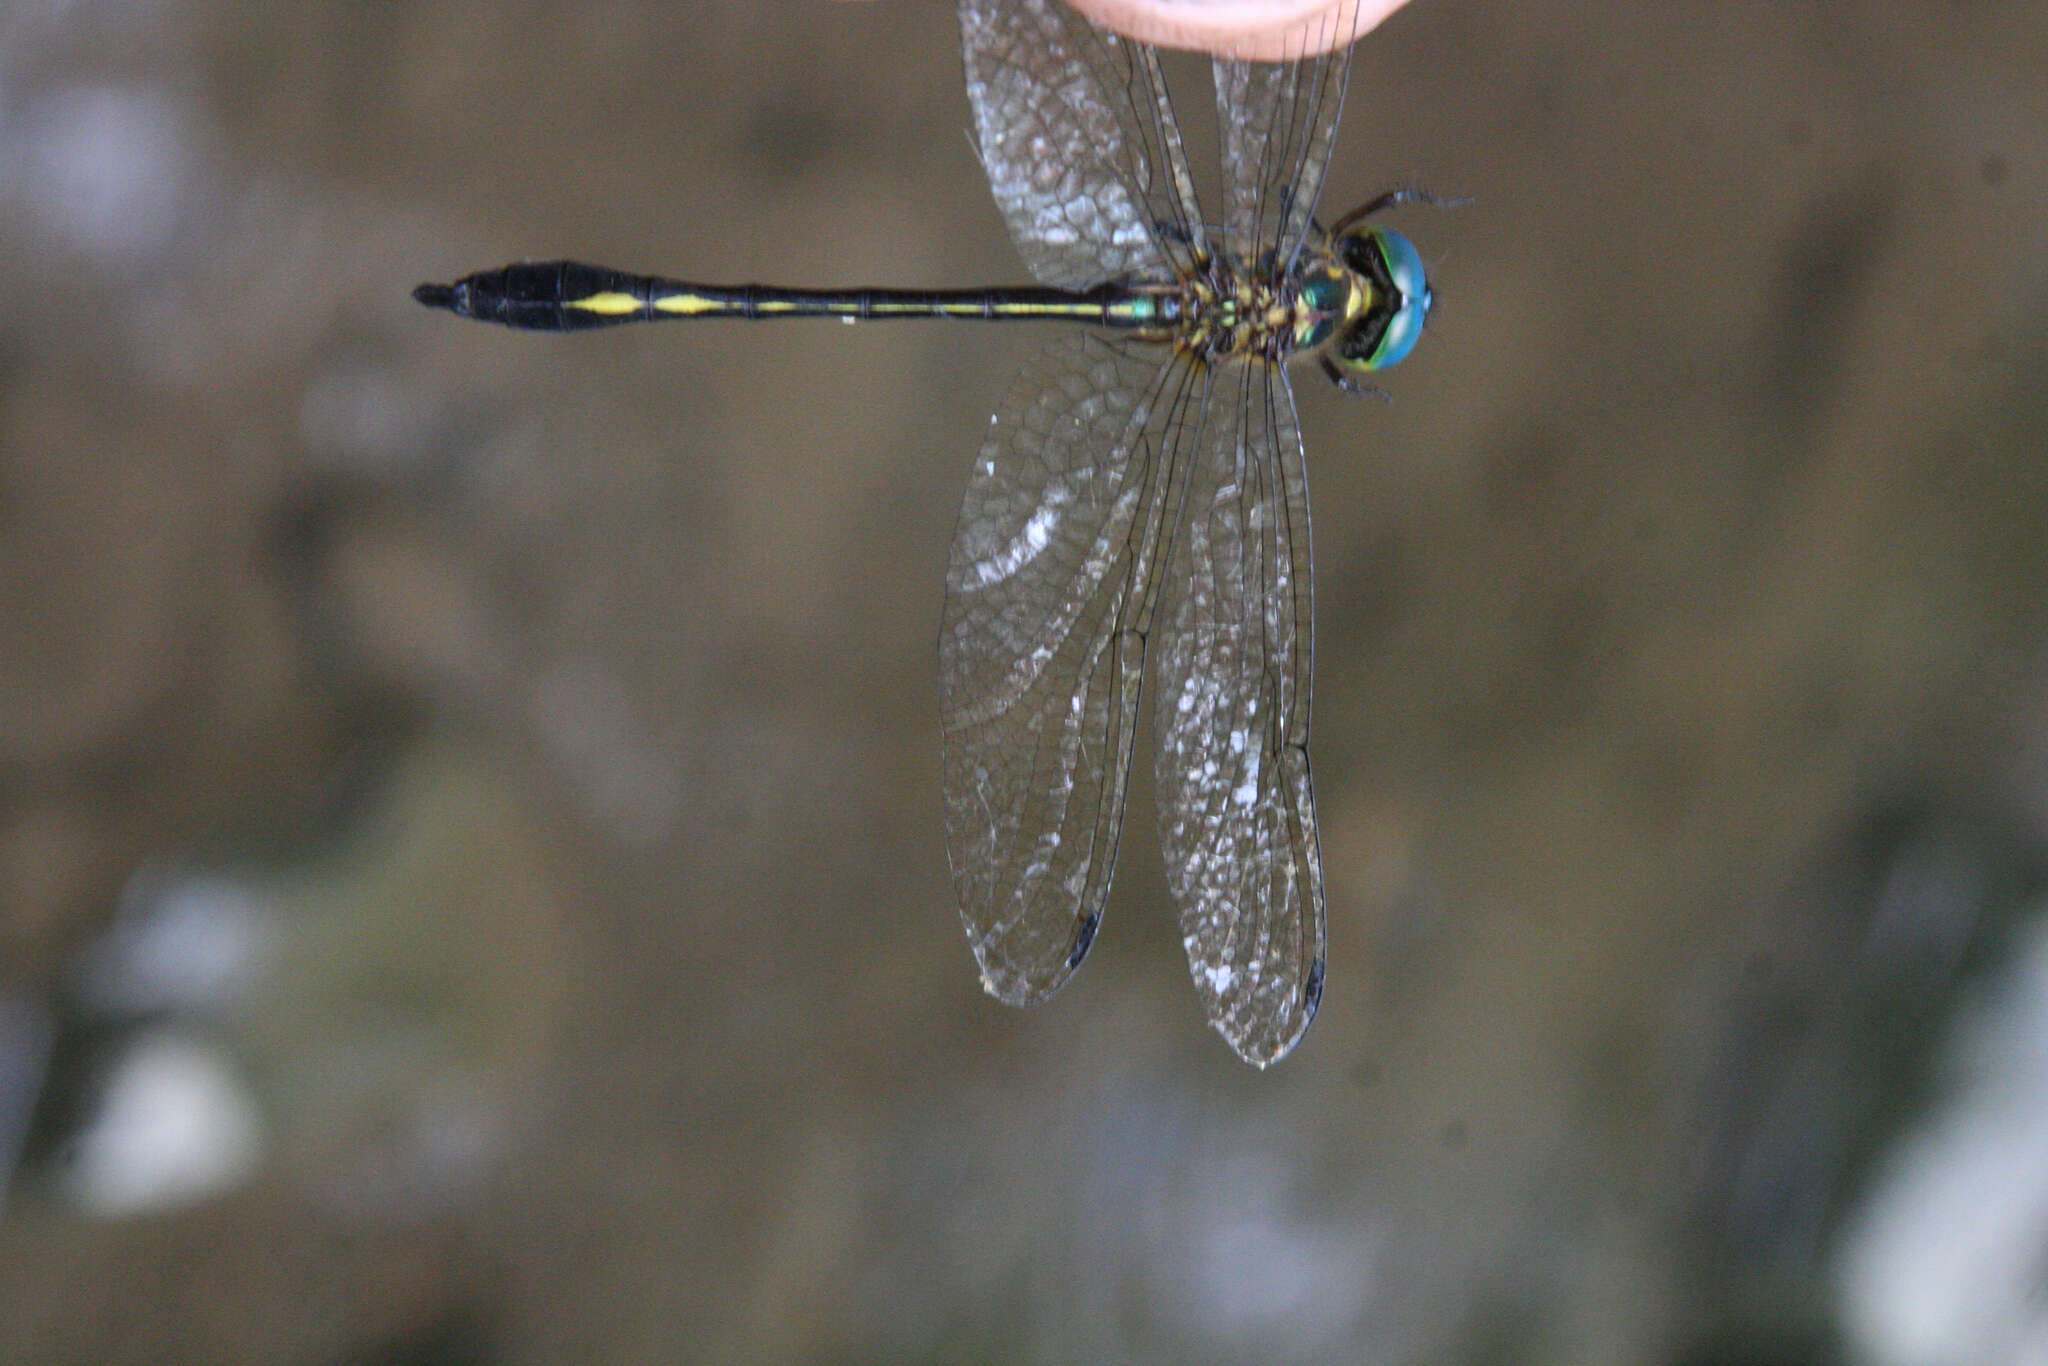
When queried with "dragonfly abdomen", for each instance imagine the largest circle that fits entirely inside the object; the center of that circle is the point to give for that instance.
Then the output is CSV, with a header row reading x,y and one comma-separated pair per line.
x,y
568,296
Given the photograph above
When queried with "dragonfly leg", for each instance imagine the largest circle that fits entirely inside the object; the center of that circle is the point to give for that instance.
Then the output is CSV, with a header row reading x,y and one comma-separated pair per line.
x,y
1350,385
1392,198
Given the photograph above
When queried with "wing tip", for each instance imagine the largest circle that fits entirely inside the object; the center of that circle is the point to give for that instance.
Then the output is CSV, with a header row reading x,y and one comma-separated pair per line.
x,y
1262,1048
1022,987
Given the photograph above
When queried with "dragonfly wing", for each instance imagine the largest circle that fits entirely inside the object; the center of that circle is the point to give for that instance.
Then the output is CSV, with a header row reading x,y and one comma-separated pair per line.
x,y
1048,598
1278,120
1235,653
1077,135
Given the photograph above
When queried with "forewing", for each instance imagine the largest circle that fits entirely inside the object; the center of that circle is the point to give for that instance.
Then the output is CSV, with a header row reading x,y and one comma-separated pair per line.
x,y
1042,648
1278,119
1234,656
1079,141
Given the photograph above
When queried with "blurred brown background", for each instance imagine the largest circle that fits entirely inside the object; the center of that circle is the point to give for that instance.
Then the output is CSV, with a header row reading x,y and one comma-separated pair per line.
x,y
471,886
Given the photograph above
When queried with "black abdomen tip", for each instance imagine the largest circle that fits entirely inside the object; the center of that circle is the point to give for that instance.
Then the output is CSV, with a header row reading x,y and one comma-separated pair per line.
x,y
436,296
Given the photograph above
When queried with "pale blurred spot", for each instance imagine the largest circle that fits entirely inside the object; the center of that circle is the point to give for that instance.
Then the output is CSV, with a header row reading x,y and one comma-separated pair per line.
x,y
356,418
623,782
1260,1259
179,942
176,1126
108,169
1947,1263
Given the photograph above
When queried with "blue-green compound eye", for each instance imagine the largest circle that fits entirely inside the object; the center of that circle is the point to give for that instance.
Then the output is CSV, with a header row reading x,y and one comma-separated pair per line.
x,y
1404,269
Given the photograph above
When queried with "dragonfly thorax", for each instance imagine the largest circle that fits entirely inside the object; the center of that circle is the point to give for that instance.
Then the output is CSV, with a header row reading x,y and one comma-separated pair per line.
x,y
1358,297
1228,310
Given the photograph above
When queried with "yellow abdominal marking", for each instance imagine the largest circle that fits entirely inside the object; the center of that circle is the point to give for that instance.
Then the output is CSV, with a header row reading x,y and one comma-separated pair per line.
x,y
611,304
685,304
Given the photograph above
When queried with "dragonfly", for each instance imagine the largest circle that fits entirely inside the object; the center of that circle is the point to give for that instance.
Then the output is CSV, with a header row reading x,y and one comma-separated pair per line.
x,y
1142,492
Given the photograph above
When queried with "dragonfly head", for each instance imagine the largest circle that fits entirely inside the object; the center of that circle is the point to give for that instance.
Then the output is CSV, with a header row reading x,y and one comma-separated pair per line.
x,y
1394,300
